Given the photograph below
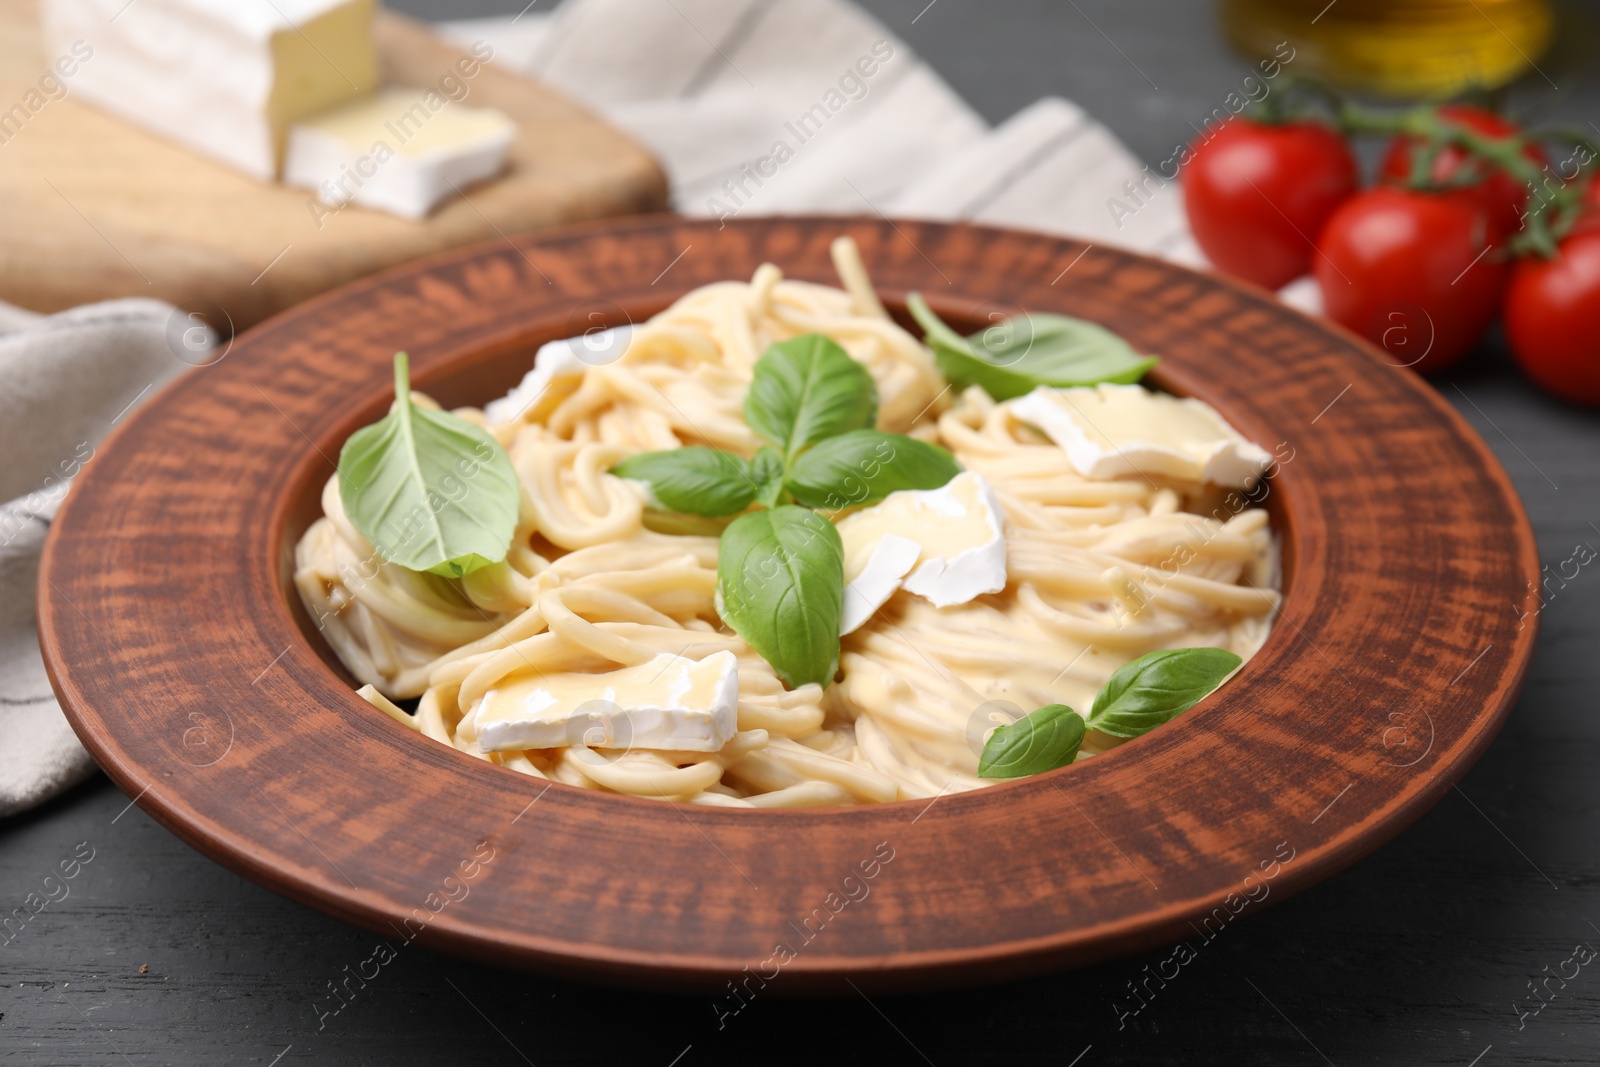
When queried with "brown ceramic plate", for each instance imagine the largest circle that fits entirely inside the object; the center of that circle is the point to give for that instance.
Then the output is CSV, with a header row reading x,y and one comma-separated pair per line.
x,y
182,656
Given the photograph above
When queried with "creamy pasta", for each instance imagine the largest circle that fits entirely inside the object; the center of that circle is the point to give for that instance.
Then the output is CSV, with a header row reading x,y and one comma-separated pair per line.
x,y
1098,572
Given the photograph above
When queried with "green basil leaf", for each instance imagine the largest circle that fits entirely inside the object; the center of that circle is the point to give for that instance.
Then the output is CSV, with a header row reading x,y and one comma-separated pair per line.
x,y
805,389
766,470
863,466
1039,741
1157,687
780,574
693,480
1015,355
430,491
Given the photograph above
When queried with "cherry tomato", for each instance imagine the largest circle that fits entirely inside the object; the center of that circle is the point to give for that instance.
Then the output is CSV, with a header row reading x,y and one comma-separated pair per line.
x,y
1409,271
1257,195
1500,194
1553,319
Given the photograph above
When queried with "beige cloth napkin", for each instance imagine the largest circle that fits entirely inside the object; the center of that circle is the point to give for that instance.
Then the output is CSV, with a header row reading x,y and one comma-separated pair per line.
x,y
714,87
66,380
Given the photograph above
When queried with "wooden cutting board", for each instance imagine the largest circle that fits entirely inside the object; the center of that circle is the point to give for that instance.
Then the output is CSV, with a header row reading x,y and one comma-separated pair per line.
x,y
92,207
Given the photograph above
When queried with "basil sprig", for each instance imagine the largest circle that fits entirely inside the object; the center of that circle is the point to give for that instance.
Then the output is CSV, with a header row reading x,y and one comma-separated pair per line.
x,y
805,389
430,491
1152,690
1158,687
780,571
1040,741
693,480
866,465
1015,355
767,472
781,576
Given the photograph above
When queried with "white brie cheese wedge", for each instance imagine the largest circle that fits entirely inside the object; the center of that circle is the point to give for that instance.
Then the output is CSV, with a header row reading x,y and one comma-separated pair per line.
x,y
391,151
1109,431
946,545
567,358
873,580
225,77
668,702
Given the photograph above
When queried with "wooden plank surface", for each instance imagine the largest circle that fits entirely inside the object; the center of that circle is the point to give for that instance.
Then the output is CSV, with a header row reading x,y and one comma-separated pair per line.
x,y
92,207
1418,955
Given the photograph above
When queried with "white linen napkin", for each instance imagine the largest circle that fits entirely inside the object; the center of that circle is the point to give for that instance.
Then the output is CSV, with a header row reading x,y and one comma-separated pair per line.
x,y
65,381
715,87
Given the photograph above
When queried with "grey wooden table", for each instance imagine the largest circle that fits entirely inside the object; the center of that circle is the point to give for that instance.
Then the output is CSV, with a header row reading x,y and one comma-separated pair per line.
x,y
1425,953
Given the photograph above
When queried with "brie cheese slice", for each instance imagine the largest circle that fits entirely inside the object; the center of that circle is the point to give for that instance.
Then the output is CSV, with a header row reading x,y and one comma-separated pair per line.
x,y
874,579
668,702
393,152
1109,431
225,77
555,360
947,545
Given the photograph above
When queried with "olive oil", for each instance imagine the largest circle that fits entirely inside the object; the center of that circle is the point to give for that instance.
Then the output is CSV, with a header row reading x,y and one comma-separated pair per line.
x,y
1398,48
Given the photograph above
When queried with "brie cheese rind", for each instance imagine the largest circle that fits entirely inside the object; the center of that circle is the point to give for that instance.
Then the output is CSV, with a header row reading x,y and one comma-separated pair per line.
x,y
1110,431
876,578
556,360
667,702
227,78
394,153
947,545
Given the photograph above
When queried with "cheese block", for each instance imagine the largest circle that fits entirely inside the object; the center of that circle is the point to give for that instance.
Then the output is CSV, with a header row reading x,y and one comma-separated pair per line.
x,y
947,545
225,77
567,358
667,702
1110,431
400,151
